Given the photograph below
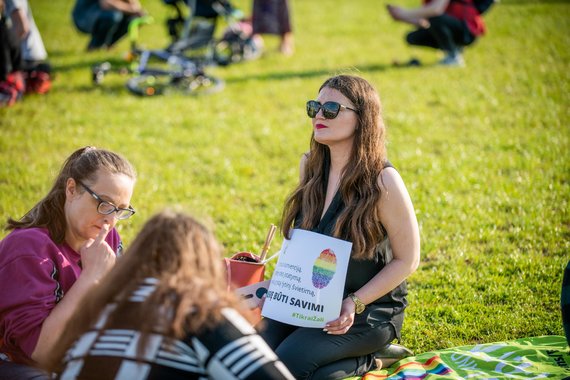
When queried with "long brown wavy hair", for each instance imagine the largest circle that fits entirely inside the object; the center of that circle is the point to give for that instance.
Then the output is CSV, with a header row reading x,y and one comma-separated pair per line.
x,y
185,258
359,222
82,166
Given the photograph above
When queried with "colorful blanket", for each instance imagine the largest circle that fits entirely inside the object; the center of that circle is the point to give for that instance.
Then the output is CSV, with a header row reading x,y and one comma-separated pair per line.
x,y
544,357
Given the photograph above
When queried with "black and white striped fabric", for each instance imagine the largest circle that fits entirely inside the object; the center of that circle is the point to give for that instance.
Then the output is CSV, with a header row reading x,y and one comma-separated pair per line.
x,y
231,351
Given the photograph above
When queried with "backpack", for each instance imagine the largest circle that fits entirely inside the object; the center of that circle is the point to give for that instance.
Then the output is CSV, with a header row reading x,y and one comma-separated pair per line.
x,y
482,6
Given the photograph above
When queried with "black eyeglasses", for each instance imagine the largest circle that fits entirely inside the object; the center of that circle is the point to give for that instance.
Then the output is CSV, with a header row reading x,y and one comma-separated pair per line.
x,y
107,208
330,109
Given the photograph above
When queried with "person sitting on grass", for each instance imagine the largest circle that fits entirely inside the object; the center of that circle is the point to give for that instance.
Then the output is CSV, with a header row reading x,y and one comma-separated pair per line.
x,y
349,190
12,85
57,252
166,310
35,64
447,25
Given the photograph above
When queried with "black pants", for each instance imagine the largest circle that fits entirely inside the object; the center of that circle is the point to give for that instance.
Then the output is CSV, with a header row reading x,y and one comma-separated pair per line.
x,y
310,353
109,28
445,33
13,371
10,53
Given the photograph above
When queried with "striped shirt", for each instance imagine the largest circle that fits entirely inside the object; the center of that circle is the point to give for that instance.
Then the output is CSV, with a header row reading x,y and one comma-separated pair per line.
x,y
232,350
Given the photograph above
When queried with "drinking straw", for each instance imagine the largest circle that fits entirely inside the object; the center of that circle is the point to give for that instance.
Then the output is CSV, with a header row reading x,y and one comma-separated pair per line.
x,y
270,235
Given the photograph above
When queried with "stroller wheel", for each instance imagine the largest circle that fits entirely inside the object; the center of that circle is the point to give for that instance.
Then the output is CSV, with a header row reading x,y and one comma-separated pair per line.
x,y
98,72
200,84
148,84
164,83
223,53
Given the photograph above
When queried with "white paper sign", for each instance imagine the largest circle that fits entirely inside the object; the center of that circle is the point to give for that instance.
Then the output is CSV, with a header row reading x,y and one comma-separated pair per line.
x,y
308,281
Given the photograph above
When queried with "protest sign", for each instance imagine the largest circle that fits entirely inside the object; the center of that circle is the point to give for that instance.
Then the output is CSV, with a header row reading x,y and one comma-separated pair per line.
x,y
308,281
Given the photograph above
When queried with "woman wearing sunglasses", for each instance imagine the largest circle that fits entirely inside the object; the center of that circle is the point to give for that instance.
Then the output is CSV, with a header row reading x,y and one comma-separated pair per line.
x,y
349,190
57,252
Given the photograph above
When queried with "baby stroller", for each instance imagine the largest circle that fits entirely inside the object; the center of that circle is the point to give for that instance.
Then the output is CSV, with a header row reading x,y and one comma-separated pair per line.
x,y
181,66
194,35
157,72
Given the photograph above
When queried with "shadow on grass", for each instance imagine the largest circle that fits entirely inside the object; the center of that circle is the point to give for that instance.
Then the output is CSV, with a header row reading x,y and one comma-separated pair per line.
x,y
527,2
116,61
113,87
284,75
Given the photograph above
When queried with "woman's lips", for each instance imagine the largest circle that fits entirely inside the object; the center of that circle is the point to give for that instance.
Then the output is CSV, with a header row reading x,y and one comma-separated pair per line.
x,y
320,126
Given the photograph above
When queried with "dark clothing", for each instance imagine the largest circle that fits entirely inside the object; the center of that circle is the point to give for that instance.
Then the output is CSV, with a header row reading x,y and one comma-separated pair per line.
x,y
445,33
10,52
565,302
271,17
16,371
106,27
459,26
311,353
231,350
350,354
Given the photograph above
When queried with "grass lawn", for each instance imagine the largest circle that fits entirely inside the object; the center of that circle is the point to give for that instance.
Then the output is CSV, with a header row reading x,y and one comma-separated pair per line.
x,y
484,150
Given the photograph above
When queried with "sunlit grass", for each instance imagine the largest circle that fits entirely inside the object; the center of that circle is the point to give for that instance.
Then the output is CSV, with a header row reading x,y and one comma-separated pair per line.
x,y
484,150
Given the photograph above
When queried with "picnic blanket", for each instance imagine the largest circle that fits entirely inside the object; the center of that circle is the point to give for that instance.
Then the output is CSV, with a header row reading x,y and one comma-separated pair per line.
x,y
543,357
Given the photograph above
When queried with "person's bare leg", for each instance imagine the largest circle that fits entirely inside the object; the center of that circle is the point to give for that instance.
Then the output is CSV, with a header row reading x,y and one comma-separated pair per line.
x,y
287,44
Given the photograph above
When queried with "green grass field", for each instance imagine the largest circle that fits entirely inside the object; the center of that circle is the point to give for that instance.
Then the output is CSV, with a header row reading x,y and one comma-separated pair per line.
x,y
484,150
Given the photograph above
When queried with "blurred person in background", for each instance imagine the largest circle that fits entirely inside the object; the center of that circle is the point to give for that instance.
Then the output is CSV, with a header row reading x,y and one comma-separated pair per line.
x,y
11,77
446,25
273,17
35,64
105,20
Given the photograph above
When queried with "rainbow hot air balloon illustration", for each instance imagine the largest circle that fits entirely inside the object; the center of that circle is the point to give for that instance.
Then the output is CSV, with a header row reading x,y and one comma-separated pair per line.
x,y
324,269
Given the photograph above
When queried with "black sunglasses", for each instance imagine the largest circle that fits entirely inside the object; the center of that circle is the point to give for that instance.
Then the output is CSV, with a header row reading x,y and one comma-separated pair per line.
x,y
330,109
107,208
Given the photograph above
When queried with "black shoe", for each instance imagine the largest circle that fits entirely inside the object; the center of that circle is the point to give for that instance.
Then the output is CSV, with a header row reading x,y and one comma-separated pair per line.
x,y
413,62
390,354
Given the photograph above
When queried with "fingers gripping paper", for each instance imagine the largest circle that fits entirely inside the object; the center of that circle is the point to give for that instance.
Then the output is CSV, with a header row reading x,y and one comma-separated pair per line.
x,y
308,281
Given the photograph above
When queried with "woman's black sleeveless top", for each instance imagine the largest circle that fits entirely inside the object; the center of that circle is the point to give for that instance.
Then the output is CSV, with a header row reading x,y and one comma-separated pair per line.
x,y
388,308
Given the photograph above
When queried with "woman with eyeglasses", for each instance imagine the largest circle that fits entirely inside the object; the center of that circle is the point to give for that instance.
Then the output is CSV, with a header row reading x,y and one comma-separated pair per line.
x,y
57,252
164,312
350,191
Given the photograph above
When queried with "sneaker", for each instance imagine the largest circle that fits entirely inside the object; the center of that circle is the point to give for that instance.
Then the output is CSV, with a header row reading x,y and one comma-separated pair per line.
x,y
16,80
8,94
38,82
453,60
